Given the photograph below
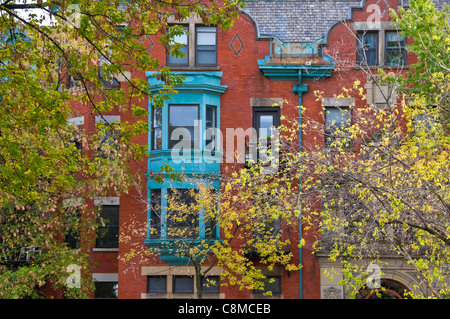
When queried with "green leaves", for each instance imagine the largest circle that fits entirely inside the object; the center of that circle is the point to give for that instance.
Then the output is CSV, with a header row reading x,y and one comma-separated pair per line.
x,y
90,62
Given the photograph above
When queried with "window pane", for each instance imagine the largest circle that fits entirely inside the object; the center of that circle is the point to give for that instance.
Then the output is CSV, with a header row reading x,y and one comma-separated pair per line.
x,y
393,39
157,284
210,218
206,57
72,237
336,119
210,125
108,231
155,213
105,290
395,57
206,38
206,49
182,41
271,283
210,117
182,60
108,80
211,284
265,125
182,116
183,284
182,213
367,48
157,128
395,49
266,228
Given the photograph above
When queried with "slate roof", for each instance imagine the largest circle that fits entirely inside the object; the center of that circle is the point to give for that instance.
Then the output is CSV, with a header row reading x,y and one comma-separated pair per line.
x,y
304,20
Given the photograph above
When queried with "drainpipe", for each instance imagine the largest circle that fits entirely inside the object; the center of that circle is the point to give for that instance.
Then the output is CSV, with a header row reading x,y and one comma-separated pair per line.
x,y
300,89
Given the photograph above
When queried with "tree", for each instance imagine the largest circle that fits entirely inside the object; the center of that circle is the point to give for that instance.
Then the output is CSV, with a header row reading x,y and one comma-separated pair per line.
x,y
48,72
383,191
377,185
380,186
242,228
429,28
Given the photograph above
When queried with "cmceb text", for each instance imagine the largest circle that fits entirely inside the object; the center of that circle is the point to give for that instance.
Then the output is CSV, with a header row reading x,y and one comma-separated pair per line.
x,y
246,308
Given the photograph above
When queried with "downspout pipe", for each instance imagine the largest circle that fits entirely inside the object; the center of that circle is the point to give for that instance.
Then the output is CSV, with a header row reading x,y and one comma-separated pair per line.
x,y
300,89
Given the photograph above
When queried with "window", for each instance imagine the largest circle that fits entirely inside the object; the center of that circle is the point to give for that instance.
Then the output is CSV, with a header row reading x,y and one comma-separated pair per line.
x,y
72,235
182,123
157,284
175,213
389,289
72,213
155,221
109,81
205,49
105,290
182,213
267,222
367,47
266,228
183,284
383,46
111,135
211,284
156,128
336,120
209,214
108,230
272,284
196,44
75,82
395,52
211,126
181,42
77,125
265,121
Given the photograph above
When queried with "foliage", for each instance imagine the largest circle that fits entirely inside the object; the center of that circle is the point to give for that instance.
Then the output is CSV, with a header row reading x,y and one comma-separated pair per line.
x,y
53,72
429,28
255,210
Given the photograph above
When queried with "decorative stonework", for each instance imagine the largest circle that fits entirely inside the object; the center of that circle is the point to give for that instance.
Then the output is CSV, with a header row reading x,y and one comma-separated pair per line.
x,y
150,46
385,9
237,41
332,292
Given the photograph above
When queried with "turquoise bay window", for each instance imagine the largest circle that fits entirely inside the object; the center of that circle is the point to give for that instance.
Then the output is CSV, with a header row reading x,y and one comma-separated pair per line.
x,y
177,220
185,130
184,135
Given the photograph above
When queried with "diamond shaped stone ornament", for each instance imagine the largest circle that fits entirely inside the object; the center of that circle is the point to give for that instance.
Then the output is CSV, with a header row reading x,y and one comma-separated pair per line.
x,y
151,43
236,44
385,9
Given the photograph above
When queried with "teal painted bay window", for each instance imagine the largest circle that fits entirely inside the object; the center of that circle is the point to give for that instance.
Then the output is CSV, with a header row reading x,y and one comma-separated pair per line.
x,y
184,135
179,218
185,131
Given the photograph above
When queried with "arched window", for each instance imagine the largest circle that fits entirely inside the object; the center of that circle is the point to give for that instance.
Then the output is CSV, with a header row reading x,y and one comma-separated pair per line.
x,y
390,289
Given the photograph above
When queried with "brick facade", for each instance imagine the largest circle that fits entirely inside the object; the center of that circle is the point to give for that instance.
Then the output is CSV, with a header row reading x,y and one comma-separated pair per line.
x,y
240,51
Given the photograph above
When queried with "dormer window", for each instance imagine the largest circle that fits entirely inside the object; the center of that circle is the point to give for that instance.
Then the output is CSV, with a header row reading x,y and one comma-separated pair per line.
x,y
182,42
380,47
206,48
196,42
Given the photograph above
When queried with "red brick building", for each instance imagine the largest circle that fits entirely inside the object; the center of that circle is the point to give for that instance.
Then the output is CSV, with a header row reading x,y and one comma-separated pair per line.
x,y
276,52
